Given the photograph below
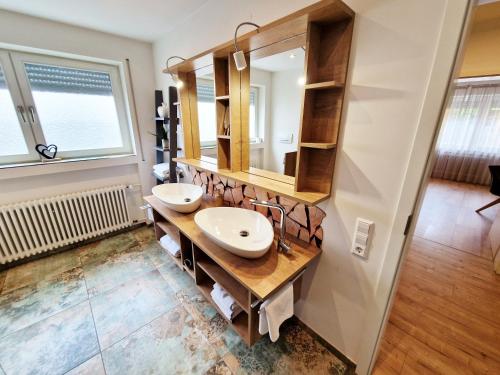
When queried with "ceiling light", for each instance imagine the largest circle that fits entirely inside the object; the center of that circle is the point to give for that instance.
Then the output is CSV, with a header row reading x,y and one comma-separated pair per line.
x,y
177,81
301,81
292,55
239,56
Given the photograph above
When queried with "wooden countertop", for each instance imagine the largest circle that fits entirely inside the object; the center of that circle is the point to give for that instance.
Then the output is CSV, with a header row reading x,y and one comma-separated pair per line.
x,y
261,276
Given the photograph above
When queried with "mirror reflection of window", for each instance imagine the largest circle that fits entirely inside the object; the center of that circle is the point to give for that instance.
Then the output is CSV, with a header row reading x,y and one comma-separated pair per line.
x,y
277,86
206,111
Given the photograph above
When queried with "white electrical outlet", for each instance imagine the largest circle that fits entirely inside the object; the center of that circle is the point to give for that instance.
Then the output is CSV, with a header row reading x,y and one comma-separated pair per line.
x,y
361,237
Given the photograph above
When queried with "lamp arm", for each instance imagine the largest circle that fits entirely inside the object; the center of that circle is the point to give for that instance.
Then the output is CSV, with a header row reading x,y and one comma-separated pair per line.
x,y
238,27
168,68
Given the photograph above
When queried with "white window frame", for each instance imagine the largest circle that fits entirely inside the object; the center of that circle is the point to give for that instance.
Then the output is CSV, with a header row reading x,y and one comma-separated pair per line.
x,y
22,95
258,90
17,101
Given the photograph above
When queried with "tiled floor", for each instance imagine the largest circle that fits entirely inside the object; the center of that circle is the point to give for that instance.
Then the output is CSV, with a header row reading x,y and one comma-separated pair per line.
x,y
121,306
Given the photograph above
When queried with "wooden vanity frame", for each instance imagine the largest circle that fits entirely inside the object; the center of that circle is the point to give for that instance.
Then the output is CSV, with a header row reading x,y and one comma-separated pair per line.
x,y
247,280
326,29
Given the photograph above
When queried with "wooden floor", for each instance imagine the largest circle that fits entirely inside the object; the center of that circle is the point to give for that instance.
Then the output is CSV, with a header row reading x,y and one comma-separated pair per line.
x,y
448,216
446,315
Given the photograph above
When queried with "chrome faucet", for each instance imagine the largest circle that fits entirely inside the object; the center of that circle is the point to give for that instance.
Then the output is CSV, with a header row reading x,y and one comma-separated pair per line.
x,y
281,239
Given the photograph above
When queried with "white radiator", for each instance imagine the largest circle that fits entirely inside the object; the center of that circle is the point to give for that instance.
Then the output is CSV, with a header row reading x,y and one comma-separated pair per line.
x,y
33,227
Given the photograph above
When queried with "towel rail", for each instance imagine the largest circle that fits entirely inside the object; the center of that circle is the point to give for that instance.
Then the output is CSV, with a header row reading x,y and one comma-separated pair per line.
x,y
256,303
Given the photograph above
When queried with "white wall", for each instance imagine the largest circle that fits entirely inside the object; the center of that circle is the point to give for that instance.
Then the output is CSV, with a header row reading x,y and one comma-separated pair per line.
x,y
393,65
285,115
26,31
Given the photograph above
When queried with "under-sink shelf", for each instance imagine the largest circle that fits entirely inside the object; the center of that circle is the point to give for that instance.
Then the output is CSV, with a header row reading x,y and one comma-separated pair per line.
x,y
236,290
239,323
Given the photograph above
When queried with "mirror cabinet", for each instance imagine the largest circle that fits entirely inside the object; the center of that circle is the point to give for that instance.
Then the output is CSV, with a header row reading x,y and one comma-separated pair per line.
x,y
274,124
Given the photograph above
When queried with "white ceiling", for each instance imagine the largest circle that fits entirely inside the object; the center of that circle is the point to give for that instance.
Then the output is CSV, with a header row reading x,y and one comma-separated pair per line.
x,y
146,20
281,61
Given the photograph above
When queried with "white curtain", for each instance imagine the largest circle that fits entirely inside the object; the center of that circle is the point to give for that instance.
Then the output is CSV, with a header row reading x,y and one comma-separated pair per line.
x,y
470,138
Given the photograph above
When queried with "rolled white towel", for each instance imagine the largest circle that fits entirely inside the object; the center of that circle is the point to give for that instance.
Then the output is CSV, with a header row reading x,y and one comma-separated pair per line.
x,y
220,290
161,166
170,245
226,304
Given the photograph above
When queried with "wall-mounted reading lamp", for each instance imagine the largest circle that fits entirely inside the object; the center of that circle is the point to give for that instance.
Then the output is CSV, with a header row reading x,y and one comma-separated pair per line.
x,y
239,56
178,82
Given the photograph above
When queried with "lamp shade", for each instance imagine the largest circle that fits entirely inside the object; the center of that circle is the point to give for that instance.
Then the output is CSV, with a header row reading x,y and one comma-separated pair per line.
x,y
239,59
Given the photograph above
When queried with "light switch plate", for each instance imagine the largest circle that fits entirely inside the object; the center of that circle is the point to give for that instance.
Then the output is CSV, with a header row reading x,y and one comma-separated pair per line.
x,y
361,238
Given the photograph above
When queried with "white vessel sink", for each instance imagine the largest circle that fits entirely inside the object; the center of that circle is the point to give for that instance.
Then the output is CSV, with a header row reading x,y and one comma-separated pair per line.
x,y
242,232
183,198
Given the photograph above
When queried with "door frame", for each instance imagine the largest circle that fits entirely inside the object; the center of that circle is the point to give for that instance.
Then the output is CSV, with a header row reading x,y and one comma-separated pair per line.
x,y
422,157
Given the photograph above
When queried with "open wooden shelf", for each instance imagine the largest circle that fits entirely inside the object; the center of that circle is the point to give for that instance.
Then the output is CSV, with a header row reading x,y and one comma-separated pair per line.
x,y
236,290
322,146
239,323
275,186
224,137
222,97
172,231
245,279
323,85
315,168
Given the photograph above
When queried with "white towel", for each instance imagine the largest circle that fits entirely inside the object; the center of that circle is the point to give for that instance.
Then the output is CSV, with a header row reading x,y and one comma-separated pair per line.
x,y
220,290
225,302
275,311
161,167
170,245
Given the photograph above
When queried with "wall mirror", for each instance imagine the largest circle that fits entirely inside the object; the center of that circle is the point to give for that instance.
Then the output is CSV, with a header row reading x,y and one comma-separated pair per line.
x,y
276,94
205,94
275,123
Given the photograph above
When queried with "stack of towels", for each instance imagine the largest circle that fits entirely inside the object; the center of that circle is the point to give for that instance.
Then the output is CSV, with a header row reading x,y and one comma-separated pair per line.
x,y
170,245
274,311
226,303
161,171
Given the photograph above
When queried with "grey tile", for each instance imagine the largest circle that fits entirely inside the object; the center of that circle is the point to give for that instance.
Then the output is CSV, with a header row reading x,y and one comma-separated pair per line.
x,y
130,306
44,269
144,235
295,352
93,366
3,274
176,278
170,344
117,268
25,306
52,346
156,253
100,250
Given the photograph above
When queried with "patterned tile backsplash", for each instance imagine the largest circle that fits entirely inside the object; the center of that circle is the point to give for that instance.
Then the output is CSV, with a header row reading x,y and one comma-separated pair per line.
x,y
302,221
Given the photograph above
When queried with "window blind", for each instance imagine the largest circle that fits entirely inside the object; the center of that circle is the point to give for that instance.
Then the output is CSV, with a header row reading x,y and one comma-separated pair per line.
x,y
205,93
67,80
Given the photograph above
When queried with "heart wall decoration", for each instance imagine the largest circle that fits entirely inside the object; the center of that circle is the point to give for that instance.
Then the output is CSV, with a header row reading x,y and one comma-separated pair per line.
x,y
48,152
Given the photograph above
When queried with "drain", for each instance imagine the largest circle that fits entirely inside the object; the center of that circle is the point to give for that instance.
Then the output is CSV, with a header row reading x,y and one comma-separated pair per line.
x,y
244,233
187,200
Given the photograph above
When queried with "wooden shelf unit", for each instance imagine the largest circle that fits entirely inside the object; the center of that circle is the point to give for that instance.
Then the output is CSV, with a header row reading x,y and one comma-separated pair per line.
x,y
279,187
327,57
230,101
326,29
247,280
323,85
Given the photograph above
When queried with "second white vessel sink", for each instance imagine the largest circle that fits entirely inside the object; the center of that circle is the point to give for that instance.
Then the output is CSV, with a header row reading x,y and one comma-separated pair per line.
x,y
242,232
179,197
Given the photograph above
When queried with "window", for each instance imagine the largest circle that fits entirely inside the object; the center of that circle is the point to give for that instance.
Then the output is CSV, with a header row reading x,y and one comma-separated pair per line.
x,y
206,113
78,106
255,136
